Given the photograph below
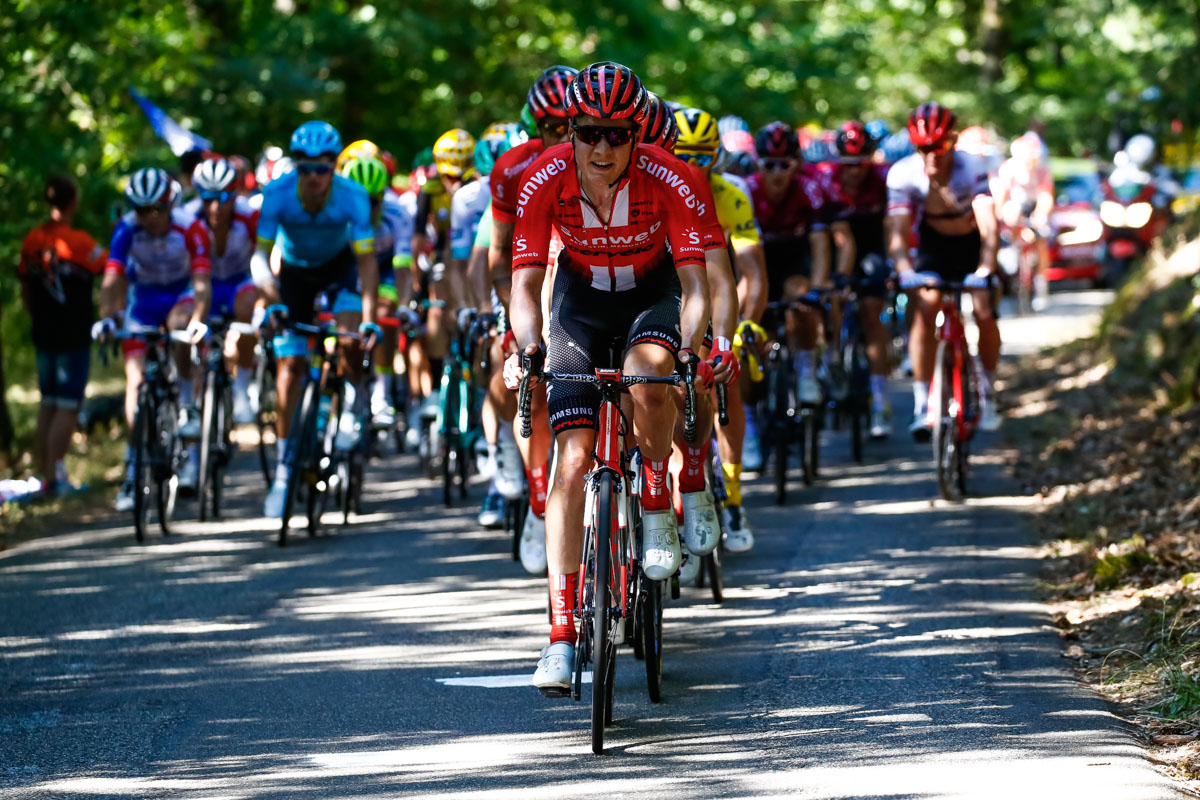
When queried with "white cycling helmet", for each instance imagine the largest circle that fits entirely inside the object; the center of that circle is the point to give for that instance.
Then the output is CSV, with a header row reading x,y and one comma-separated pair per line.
x,y
271,168
149,186
1140,149
213,175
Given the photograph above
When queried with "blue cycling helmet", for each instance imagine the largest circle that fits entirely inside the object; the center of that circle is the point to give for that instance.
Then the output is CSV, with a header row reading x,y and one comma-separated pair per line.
x,y
314,139
732,123
897,146
498,139
878,130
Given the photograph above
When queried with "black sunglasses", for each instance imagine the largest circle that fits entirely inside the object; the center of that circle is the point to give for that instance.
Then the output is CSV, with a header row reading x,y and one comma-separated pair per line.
x,y
775,164
699,159
159,208
557,128
313,167
592,134
220,197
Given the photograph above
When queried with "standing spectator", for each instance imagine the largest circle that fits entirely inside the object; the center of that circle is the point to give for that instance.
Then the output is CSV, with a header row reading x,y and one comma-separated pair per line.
x,y
58,268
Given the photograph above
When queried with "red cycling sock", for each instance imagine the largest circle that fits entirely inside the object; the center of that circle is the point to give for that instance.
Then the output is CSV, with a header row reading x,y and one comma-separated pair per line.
x,y
655,496
562,605
691,474
539,486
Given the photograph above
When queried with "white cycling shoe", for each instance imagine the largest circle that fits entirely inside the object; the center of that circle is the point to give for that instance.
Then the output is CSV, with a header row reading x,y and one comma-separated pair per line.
x,y
533,544
243,411
125,498
701,530
510,469
273,505
660,544
553,674
689,569
738,537
989,417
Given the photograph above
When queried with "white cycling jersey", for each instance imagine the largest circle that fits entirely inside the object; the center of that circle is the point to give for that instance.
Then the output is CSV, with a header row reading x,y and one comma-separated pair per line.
x,y
908,185
466,209
234,262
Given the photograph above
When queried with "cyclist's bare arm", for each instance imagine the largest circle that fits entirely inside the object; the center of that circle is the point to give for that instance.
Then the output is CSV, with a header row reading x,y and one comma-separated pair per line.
x,y
722,293
819,246
112,294
477,278
695,309
500,259
899,226
843,241
525,310
202,286
752,264
989,231
368,277
419,243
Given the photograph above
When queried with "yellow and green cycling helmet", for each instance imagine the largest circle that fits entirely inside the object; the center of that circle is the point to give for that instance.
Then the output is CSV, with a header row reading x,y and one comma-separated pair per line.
x,y
369,173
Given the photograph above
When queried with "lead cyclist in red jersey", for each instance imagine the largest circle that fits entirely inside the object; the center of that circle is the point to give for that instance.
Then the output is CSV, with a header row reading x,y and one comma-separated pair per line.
x,y
630,289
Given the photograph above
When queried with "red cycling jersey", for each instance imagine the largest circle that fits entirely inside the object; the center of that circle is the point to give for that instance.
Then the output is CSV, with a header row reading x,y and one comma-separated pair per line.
x,y
706,209
505,180
653,221
802,209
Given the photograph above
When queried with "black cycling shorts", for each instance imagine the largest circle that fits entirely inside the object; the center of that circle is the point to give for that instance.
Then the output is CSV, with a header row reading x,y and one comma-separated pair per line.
x,y
590,328
951,257
299,286
786,257
871,274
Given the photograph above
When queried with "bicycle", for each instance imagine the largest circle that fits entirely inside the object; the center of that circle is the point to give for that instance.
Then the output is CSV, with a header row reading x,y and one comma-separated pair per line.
x,y
855,405
265,413
610,576
350,465
158,451
788,420
955,395
216,421
309,452
457,421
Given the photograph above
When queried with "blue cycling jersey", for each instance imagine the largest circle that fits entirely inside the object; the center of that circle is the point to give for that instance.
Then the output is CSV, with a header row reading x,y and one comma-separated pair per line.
x,y
310,240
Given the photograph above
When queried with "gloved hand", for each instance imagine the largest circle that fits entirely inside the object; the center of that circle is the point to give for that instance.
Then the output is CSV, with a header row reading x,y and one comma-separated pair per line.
x,y
196,331
370,332
531,360
726,367
979,279
704,370
274,310
104,329
911,279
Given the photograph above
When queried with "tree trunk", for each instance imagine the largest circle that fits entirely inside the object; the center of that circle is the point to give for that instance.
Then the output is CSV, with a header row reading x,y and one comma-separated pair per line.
x,y
6,425
993,37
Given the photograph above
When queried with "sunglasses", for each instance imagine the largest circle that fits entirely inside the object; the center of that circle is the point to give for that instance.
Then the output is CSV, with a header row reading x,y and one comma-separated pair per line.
x,y
160,208
699,159
941,148
220,197
776,164
558,129
313,168
592,134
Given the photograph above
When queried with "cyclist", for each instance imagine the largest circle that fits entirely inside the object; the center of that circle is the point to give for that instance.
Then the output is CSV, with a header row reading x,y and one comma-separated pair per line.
x,y
1025,193
232,226
546,101
858,193
630,289
160,253
392,221
322,223
699,143
791,205
947,191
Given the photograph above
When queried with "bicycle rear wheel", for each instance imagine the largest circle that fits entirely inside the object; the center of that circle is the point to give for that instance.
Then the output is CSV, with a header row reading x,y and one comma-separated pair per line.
x,y
603,649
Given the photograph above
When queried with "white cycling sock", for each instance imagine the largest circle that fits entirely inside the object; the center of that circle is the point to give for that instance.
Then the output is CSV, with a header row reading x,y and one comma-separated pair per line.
x,y
920,395
379,388
280,447
187,392
242,381
879,389
804,363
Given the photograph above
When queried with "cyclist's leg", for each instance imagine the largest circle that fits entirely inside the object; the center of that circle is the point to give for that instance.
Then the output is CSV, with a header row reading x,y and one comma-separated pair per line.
x,y
385,353
239,351
872,290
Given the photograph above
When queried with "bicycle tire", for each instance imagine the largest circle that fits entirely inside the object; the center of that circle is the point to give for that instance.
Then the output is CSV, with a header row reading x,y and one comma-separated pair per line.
x,y
602,649
856,434
812,446
944,446
464,467
323,460
716,581
304,428
781,466
650,626
207,431
167,477
264,418
225,447
140,470
448,469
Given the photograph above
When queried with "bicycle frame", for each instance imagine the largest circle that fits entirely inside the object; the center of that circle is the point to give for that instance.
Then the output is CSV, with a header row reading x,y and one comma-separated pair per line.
x,y
952,331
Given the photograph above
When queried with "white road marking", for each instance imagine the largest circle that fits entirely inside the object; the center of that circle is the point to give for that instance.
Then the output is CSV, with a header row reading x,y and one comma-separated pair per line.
x,y
498,681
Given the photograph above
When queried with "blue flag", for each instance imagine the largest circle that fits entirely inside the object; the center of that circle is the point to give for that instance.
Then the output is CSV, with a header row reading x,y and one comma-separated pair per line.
x,y
176,136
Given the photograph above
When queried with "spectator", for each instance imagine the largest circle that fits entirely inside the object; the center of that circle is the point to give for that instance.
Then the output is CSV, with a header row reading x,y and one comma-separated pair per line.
x,y
58,268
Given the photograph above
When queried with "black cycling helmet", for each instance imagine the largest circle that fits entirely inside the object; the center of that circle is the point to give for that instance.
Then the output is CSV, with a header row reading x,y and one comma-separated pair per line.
x,y
659,128
854,143
545,98
777,140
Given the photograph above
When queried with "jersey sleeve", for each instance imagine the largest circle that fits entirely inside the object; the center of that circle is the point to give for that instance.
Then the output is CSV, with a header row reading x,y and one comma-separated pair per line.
x,y
899,199
483,236
980,185
504,191
198,247
534,215
362,232
711,234
686,238
460,222
267,221
118,249
737,216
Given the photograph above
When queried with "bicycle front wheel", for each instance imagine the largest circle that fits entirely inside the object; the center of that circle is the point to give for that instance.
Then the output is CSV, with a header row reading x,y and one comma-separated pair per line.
x,y
208,432
140,469
302,435
603,649
651,636
167,462
946,452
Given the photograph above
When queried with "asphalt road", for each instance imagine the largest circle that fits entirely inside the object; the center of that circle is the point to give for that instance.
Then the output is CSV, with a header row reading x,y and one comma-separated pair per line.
x,y
875,644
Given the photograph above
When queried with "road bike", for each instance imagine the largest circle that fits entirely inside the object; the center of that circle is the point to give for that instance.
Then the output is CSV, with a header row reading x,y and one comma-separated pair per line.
x,y
615,603
854,406
265,413
216,417
457,421
788,421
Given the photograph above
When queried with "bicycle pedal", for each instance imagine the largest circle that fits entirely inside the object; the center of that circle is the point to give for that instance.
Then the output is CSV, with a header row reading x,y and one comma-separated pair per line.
x,y
555,692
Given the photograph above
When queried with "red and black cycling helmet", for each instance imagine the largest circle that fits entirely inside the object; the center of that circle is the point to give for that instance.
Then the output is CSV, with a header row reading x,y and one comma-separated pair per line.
x,y
607,90
930,124
659,128
777,140
546,96
854,143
